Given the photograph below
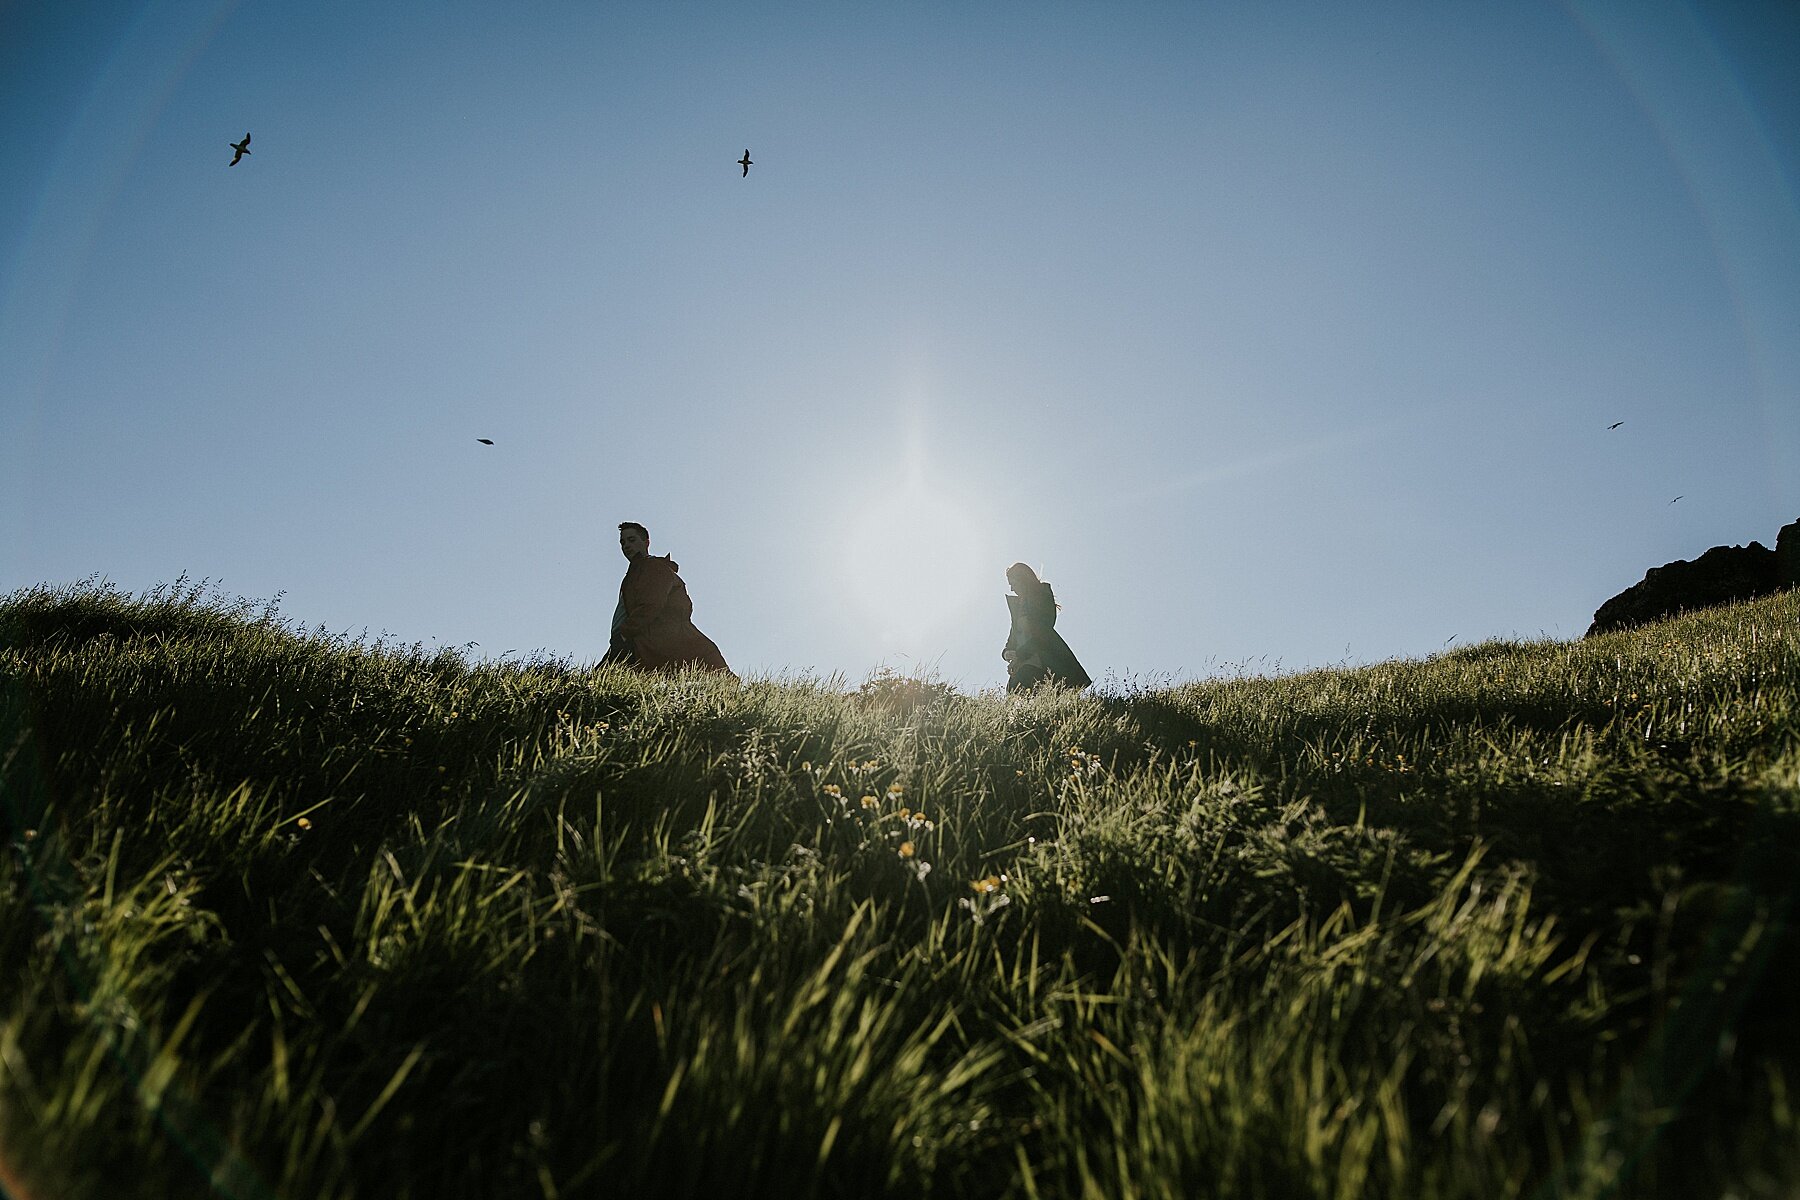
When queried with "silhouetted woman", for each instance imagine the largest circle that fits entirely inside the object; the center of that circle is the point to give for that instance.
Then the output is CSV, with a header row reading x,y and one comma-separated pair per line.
x,y
1034,651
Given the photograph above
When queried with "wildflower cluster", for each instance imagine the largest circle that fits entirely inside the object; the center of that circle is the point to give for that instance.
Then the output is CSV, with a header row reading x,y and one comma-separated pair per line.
x,y
1397,763
990,897
883,819
1082,764
572,733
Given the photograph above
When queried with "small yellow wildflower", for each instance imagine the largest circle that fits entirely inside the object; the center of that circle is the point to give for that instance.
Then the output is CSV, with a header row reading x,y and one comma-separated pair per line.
x,y
870,802
304,823
895,789
905,813
984,886
806,765
832,789
906,849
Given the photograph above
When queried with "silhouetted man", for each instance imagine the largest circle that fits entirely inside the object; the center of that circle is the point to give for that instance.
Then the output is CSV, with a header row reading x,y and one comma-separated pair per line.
x,y
653,625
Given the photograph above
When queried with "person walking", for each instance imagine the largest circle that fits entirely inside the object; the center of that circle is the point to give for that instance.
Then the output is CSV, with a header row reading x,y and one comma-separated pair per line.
x,y
1035,653
653,625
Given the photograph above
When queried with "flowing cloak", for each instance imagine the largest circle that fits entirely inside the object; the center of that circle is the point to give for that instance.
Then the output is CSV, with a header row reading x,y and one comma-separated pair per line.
x,y
1039,651
658,621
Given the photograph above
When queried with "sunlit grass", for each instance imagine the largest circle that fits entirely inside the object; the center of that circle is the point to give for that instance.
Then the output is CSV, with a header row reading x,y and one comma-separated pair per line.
x,y
305,916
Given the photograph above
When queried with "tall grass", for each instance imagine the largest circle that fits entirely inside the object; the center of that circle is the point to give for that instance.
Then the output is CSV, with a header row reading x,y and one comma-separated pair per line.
x,y
289,914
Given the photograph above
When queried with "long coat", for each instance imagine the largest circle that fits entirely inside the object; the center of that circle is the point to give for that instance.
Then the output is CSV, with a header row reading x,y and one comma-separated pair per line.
x,y
658,630
1039,653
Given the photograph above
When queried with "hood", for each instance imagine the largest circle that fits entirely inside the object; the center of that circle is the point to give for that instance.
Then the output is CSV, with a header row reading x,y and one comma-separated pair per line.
x,y
649,560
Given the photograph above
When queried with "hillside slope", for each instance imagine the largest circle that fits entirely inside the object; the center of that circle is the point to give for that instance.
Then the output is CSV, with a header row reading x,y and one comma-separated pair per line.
x,y
290,915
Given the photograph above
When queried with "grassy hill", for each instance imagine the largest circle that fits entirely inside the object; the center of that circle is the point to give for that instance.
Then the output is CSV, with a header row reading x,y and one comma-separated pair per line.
x,y
285,914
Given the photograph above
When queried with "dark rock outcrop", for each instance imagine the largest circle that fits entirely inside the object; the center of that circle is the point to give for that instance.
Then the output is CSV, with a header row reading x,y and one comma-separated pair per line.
x,y
1723,575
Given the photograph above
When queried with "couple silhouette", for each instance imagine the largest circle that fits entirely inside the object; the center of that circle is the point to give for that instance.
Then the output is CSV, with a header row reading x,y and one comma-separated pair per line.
x,y
1035,653
653,623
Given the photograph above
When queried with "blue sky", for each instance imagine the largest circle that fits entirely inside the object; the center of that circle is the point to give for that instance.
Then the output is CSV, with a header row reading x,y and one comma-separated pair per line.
x,y
1276,335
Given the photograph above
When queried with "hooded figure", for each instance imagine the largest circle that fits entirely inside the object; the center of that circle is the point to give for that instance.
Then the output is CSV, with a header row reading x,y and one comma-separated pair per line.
x,y
1034,651
653,626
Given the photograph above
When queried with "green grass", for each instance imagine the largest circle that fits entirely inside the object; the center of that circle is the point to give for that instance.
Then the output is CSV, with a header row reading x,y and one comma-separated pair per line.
x,y
286,914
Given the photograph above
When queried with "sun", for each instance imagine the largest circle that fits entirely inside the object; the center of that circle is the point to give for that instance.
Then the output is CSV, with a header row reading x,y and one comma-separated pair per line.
x,y
918,562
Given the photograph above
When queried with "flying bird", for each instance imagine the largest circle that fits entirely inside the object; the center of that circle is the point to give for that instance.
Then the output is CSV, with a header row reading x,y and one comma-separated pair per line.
x,y
485,441
1678,497
1615,424
743,162
242,149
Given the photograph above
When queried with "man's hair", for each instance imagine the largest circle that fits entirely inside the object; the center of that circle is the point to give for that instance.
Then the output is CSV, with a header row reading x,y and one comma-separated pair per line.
x,y
624,525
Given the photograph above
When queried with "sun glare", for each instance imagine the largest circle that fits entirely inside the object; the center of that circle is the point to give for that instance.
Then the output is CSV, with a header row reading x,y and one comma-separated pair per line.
x,y
917,563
